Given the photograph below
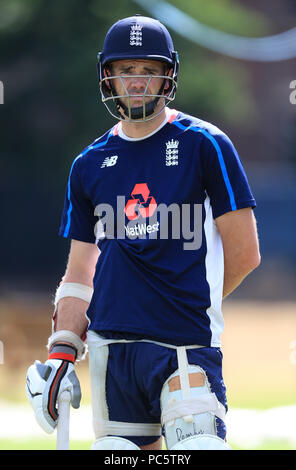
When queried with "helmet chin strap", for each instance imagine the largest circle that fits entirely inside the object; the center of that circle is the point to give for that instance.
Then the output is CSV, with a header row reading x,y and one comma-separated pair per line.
x,y
138,112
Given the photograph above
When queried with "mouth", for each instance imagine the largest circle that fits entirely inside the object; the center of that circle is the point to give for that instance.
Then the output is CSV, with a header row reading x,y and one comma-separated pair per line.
x,y
139,98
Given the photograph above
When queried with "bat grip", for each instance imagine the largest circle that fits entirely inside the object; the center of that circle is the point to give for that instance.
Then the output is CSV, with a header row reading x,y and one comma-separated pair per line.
x,y
63,421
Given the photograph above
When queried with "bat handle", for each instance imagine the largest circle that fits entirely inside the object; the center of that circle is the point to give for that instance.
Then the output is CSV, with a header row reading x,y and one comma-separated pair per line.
x,y
63,421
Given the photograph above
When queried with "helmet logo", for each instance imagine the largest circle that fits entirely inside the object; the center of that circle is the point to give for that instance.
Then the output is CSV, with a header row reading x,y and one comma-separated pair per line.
x,y
136,35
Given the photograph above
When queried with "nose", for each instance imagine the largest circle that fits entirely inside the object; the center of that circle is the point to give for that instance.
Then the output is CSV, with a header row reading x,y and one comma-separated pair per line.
x,y
138,83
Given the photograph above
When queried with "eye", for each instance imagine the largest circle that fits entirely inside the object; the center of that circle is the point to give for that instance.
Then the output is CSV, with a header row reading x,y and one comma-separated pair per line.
x,y
151,72
125,71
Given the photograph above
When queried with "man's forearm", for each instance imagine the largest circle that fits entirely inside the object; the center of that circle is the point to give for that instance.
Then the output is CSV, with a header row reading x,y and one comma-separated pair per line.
x,y
232,281
71,315
234,273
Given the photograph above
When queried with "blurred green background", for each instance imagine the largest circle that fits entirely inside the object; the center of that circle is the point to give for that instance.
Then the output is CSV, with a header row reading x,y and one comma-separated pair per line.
x,y
52,110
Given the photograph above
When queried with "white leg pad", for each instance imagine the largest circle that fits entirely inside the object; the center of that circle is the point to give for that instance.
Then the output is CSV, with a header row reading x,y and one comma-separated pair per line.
x,y
190,410
202,442
114,443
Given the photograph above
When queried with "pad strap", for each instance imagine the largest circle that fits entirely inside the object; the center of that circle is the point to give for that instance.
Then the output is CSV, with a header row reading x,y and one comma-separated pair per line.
x,y
193,405
183,371
103,428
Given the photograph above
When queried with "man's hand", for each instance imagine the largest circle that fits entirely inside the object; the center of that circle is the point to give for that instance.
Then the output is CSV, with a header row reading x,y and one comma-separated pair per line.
x,y
45,382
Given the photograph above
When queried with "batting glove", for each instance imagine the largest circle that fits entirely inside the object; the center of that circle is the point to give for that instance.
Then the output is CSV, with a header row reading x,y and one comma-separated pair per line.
x,y
45,382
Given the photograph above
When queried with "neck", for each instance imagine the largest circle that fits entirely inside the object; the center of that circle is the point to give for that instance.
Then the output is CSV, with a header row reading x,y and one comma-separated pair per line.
x,y
143,128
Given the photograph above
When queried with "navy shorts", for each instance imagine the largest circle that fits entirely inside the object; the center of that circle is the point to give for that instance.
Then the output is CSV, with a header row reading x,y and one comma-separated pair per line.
x,y
136,373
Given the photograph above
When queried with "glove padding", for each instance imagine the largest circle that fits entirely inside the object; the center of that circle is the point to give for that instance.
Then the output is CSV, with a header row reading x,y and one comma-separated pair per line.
x,y
45,382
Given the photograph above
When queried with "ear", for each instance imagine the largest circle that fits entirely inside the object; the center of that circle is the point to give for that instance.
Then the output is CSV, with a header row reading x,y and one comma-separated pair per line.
x,y
169,73
107,73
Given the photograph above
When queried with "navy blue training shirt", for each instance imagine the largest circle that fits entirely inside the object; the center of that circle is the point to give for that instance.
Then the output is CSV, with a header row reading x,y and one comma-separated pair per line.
x,y
150,204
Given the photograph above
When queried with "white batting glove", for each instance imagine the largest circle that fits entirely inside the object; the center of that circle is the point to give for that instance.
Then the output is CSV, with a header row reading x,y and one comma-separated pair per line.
x,y
45,382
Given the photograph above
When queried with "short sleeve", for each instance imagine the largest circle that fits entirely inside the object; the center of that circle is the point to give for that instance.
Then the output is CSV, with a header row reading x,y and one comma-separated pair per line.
x,y
78,219
224,177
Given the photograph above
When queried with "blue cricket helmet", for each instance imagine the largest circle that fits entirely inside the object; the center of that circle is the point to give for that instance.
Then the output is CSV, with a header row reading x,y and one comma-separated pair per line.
x,y
137,37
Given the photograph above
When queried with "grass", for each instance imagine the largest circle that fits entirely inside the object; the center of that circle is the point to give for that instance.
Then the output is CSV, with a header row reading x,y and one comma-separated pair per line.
x,y
49,444
40,444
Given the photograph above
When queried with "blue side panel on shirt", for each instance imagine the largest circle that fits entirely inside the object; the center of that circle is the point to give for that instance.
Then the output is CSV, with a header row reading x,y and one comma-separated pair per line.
x,y
69,202
67,227
220,157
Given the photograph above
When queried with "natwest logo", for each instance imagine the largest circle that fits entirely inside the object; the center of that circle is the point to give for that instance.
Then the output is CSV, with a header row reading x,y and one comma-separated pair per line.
x,y
141,203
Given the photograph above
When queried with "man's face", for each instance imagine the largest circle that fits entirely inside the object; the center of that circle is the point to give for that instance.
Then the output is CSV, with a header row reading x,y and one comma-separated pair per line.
x,y
130,83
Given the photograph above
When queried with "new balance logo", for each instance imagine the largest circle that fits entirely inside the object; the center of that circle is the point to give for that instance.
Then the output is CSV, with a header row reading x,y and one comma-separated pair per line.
x,y
109,161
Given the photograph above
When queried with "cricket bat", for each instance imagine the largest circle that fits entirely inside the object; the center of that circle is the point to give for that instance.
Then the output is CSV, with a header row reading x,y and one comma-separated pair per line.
x,y
63,425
